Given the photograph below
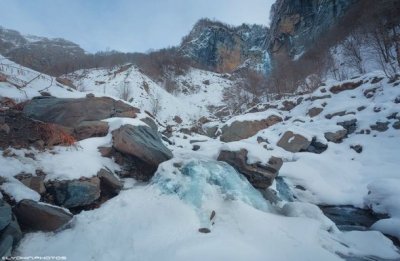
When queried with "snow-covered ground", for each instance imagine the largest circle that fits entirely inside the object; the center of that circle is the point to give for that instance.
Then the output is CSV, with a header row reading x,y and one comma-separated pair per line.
x,y
160,220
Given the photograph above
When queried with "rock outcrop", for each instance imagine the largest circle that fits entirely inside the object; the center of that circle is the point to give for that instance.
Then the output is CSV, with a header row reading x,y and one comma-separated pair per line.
x,y
296,25
259,175
224,48
239,130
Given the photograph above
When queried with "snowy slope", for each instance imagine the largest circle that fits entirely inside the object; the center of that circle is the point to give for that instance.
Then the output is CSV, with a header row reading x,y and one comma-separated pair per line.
x,y
190,101
23,83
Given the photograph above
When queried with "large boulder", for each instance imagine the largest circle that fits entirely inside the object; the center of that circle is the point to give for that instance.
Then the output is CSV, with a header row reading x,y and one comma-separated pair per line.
x,y
74,193
141,142
293,142
19,131
71,112
259,175
34,216
239,130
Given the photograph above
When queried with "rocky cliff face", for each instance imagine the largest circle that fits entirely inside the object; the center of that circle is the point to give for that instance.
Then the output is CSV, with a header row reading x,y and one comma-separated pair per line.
x,y
38,53
297,24
224,48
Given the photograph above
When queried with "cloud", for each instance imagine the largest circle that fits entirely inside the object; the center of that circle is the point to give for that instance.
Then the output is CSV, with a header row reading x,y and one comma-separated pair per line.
x,y
125,25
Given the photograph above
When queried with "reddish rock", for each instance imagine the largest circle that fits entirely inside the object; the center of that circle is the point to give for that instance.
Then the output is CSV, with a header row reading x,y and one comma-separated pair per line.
x,y
345,86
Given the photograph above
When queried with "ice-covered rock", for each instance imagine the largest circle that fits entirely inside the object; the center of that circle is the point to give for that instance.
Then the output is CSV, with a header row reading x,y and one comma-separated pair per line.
x,y
198,180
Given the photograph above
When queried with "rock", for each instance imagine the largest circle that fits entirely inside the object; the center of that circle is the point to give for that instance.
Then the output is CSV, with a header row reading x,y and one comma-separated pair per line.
x,y
316,146
357,148
196,147
24,132
141,142
88,129
396,125
5,214
109,183
380,126
10,237
259,175
90,95
239,130
35,216
336,136
345,87
35,183
314,98
152,124
349,125
105,151
210,130
397,100
293,142
178,119
288,105
314,111
74,193
204,230
376,80
361,108
71,112
6,102
340,113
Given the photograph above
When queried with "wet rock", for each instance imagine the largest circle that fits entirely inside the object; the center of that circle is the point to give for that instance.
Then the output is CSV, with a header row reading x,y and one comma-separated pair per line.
x,y
109,183
336,136
71,112
35,216
259,175
314,111
345,87
196,147
141,142
293,142
74,193
239,130
350,218
380,126
376,80
87,129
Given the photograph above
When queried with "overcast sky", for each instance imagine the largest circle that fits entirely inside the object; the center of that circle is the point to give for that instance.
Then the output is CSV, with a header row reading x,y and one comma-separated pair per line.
x,y
125,25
